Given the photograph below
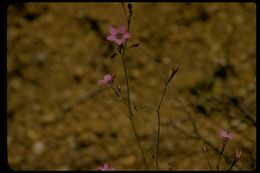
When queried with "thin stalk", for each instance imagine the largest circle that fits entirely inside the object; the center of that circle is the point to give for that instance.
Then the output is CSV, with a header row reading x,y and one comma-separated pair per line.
x,y
129,108
158,128
233,164
220,155
123,5
130,113
174,70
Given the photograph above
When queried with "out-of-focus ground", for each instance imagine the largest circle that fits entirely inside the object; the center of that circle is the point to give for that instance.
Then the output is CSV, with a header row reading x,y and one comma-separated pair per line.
x,y
59,118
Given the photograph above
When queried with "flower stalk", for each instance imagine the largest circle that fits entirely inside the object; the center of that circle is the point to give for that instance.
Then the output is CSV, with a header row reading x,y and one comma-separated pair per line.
x,y
174,71
130,113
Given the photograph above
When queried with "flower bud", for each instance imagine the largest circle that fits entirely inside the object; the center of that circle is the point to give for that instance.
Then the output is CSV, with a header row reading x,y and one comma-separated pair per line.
x,y
237,154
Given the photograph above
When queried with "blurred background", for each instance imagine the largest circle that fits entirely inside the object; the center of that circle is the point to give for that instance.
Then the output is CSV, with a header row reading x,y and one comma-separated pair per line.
x,y
60,119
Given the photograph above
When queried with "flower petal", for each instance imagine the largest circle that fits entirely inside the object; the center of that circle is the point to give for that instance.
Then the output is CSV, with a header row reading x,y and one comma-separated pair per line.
x,y
121,29
223,133
113,30
111,37
106,167
108,77
226,136
120,41
127,35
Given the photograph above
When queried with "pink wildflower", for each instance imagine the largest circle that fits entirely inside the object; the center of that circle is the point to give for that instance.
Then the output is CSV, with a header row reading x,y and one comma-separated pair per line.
x,y
226,136
118,35
105,167
108,79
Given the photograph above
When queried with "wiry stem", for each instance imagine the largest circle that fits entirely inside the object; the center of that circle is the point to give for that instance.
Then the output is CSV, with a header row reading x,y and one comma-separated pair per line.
x,y
158,129
237,156
130,113
220,155
233,164
158,117
123,5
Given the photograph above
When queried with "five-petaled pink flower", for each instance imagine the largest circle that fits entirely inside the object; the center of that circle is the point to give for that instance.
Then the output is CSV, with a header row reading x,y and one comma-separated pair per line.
x,y
108,79
105,167
226,136
118,35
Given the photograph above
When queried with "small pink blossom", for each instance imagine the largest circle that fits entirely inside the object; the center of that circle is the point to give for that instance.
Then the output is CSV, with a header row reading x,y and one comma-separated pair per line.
x,y
108,79
118,35
226,136
105,167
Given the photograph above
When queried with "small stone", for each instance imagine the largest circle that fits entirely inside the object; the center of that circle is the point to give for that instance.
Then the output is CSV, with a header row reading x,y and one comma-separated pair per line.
x,y
136,73
242,126
48,118
113,151
235,123
239,19
78,74
36,107
33,135
16,83
152,82
49,18
150,67
129,160
41,57
38,148
145,34
17,159
166,60
71,140
143,60
67,94
164,166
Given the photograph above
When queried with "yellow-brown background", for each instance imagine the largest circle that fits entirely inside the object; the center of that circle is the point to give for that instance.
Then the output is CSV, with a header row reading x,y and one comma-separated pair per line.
x,y
60,119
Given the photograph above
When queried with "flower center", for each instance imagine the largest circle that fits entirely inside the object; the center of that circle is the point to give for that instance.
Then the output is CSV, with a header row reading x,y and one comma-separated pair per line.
x,y
119,35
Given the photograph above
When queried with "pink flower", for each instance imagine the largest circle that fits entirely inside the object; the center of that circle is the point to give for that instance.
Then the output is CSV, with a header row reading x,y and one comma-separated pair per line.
x,y
105,167
108,79
226,136
118,35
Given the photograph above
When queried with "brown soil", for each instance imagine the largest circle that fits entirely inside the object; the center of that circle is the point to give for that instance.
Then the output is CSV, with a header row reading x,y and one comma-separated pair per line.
x,y
59,118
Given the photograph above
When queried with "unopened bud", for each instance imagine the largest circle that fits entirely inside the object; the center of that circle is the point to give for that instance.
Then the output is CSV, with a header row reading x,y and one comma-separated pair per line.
x,y
135,45
237,154
174,71
130,8
204,148
118,88
113,55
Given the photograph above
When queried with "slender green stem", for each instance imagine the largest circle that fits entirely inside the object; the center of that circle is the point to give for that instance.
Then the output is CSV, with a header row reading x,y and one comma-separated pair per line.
x,y
126,76
233,164
123,5
158,127
174,71
129,107
220,154
128,97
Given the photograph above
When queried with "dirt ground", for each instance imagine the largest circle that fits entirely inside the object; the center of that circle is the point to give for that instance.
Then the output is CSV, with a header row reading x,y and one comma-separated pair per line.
x,y
59,118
